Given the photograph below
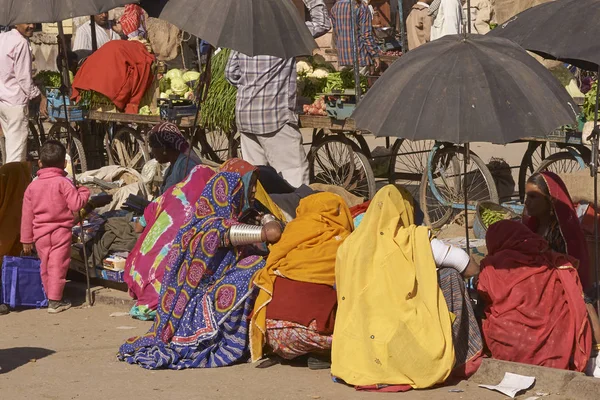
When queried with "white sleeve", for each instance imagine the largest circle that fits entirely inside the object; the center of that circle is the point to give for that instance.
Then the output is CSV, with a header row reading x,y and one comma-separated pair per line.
x,y
83,38
449,256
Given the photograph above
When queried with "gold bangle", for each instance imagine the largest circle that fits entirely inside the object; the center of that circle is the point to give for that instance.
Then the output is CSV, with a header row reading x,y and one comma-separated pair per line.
x,y
597,347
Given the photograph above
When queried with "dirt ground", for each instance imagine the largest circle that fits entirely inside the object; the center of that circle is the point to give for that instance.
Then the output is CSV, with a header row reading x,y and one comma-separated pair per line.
x,y
72,356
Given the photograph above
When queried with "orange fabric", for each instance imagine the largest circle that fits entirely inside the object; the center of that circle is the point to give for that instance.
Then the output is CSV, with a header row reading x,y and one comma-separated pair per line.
x,y
535,312
305,253
121,70
14,178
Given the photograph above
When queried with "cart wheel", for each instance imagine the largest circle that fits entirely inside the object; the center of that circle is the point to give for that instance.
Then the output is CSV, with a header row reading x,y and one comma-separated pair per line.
x,y
33,142
214,145
407,163
127,149
447,171
536,153
335,160
564,162
235,145
60,131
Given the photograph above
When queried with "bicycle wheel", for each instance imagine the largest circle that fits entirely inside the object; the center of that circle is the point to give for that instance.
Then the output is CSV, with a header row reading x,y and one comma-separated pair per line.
x,y
563,163
214,145
60,131
449,178
128,149
235,145
408,162
33,142
334,160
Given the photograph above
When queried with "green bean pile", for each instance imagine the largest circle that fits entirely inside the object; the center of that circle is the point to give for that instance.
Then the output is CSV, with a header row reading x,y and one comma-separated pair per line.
x,y
218,110
490,217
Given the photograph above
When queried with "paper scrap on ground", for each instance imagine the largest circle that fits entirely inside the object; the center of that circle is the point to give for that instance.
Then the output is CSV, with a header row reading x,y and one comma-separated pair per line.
x,y
119,314
125,327
512,384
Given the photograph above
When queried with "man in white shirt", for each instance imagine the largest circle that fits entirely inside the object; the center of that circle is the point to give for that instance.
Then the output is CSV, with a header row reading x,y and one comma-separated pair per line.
x,y
447,18
16,89
104,33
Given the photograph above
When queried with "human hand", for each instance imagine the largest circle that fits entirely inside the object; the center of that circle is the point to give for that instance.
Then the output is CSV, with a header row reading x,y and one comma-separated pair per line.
x,y
27,248
271,232
377,64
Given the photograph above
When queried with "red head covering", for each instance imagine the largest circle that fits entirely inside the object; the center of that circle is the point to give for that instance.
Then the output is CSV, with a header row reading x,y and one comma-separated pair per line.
x,y
534,307
569,224
132,18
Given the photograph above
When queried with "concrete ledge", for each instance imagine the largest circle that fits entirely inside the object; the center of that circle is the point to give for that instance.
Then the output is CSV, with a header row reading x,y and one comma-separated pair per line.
x,y
118,299
583,387
547,380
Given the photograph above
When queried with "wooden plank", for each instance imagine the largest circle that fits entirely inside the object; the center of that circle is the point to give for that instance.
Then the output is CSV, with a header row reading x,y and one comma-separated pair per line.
x,y
124,118
321,122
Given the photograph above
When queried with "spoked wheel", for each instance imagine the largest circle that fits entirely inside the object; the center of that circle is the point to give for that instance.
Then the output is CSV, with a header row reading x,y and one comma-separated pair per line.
x,y
334,160
33,142
127,149
408,162
60,131
214,145
538,152
235,145
564,163
447,170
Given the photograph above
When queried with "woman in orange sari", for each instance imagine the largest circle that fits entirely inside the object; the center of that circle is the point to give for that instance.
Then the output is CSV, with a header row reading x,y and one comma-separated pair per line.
x,y
534,308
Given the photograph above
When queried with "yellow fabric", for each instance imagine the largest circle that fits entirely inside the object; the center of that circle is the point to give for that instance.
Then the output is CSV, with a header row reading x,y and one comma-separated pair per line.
x,y
14,178
305,253
264,199
392,324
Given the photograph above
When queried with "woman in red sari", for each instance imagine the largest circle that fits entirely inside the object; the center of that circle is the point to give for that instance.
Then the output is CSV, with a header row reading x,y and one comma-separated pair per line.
x,y
534,307
551,214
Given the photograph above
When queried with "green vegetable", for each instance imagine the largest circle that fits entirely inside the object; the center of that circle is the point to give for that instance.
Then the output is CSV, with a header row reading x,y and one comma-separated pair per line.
x,y
218,110
164,84
48,79
490,217
589,105
179,87
93,100
174,73
191,76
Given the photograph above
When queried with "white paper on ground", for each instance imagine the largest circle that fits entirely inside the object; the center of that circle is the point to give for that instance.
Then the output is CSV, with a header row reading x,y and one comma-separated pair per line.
x,y
512,384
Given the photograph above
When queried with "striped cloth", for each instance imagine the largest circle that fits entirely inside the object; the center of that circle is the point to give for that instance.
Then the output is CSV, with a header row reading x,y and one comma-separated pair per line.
x,y
342,27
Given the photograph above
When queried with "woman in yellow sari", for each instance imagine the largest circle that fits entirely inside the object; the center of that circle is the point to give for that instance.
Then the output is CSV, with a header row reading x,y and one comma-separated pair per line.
x,y
400,324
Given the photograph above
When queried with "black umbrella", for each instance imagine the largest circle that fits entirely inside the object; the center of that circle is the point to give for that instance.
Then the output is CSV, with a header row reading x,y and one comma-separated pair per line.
x,y
252,27
460,90
463,89
565,30
36,11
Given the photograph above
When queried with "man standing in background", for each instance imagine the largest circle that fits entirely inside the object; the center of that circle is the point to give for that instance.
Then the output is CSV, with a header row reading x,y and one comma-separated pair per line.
x,y
104,33
16,89
368,51
447,18
418,25
319,23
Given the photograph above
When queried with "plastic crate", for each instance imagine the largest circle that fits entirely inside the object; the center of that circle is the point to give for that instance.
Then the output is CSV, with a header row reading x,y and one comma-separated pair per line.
x,y
173,109
340,106
56,109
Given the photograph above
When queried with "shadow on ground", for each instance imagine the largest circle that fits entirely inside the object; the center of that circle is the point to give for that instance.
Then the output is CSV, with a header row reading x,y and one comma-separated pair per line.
x,y
11,359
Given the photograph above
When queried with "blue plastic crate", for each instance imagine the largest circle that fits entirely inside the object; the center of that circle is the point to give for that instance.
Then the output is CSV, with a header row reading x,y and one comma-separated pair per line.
x,y
56,110
340,106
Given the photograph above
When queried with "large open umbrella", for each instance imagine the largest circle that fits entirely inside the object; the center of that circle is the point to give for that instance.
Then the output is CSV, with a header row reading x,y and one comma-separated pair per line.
x,y
565,30
37,11
252,27
463,89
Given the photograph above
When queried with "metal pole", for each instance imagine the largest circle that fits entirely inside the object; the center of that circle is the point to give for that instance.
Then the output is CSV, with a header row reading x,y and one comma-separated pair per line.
x,y
469,16
65,84
594,168
93,33
465,191
355,50
403,45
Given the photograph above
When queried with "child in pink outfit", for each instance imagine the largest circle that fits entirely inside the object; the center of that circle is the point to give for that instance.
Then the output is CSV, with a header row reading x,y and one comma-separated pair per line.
x,y
47,220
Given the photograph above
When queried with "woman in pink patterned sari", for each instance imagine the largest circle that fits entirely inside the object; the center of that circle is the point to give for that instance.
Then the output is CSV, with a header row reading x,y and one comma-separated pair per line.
x,y
146,263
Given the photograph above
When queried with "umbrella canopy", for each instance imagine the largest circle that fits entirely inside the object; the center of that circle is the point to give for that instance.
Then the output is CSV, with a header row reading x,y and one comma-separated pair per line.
x,y
466,89
36,11
565,30
252,27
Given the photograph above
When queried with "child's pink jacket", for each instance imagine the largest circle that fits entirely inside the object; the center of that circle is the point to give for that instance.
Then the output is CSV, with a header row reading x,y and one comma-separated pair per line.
x,y
49,204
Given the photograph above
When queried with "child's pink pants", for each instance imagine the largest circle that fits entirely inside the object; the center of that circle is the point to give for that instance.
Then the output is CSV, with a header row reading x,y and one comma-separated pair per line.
x,y
54,250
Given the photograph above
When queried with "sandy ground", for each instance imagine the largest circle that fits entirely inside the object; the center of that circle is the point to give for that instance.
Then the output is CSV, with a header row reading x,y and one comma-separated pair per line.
x,y
72,356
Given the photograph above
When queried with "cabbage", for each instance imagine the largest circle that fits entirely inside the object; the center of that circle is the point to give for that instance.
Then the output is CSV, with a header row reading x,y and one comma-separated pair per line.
x,y
191,76
174,74
145,111
179,87
164,96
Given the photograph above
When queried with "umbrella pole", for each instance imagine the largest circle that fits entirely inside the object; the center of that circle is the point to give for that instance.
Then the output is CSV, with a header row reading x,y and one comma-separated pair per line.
x,y
403,45
468,30
93,33
465,191
354,41
594,170
64,87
